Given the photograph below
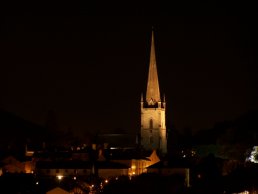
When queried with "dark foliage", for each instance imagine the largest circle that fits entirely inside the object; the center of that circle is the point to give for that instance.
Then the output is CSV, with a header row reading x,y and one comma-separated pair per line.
x,y
148,184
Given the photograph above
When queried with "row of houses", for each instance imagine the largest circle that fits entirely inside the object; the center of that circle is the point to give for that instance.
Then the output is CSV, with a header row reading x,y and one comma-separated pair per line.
x,y
81,162
104,163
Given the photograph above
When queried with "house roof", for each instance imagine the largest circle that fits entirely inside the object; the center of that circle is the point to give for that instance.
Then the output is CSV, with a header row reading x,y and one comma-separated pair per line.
x,y
171,164
128,154
63,165
45,154
57,190
79,165
110,165
13,156
117,139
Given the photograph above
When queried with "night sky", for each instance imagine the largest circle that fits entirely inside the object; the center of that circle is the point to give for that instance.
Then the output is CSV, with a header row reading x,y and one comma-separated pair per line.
x,y
89,62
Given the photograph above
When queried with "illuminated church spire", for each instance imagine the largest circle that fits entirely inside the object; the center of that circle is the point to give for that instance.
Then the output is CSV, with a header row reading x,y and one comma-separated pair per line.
x,y
153,112
152,94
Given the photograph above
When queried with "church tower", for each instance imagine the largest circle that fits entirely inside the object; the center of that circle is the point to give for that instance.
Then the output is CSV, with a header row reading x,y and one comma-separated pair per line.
x,y
153,121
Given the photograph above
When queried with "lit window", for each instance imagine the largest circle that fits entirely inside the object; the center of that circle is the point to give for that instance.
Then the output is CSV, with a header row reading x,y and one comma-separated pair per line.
x,y
59,177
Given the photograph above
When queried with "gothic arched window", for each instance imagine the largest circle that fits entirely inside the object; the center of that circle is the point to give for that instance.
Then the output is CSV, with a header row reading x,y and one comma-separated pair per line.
x,y
151,124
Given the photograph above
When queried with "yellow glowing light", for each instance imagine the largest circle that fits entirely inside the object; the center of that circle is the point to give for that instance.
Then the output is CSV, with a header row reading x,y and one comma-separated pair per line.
x,y
245,192
133,172
106,181
59,177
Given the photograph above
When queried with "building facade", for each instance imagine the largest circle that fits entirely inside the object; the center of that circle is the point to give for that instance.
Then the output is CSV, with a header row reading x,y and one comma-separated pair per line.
x,y
153,111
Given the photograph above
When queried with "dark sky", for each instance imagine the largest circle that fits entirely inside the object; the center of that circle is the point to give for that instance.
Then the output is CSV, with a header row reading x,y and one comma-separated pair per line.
x,y
89,62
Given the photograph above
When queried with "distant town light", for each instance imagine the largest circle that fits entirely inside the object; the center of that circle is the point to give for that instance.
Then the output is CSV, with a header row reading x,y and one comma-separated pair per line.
x,y
106,181
37,183
244,192
59,177
74,178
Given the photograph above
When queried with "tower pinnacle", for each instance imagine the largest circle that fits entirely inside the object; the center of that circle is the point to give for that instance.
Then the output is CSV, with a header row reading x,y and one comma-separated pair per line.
x,y
152,94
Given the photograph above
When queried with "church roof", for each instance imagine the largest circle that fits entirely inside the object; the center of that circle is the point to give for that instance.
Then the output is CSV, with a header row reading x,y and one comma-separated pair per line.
x,y
153,93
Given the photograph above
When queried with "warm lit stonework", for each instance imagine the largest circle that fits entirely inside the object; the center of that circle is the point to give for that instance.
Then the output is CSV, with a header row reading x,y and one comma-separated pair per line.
x,y
153,120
